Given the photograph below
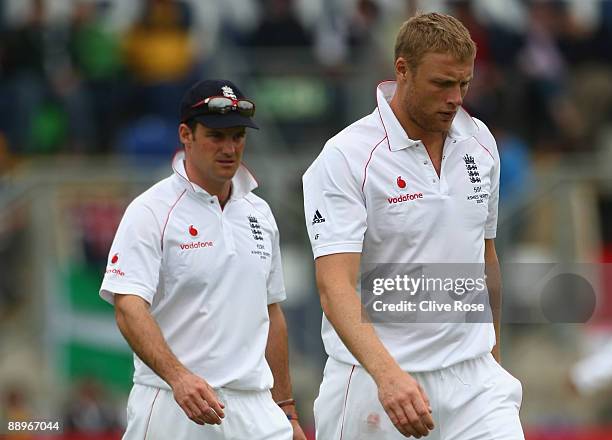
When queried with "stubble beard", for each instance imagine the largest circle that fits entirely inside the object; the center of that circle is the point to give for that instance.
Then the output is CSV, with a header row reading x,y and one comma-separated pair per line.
x,y
425,122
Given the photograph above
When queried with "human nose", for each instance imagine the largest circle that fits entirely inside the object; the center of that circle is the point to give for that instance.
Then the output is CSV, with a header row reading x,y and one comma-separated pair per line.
x,y
455,96
229,147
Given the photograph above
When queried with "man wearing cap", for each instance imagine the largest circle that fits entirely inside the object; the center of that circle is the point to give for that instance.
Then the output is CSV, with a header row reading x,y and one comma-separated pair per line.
x,y
195,276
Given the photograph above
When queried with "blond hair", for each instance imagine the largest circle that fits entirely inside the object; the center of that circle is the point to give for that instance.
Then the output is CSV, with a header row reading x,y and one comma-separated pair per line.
x,y
436,33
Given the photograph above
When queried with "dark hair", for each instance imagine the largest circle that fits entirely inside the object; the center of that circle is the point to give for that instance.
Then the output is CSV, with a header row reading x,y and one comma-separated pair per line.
x,y
192,124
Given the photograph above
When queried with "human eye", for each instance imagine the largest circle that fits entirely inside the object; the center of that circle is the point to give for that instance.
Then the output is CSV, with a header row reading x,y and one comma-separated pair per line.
x,y
443,83
214,134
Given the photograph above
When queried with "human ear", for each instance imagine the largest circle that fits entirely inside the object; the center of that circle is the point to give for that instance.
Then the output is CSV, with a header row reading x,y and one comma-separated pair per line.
x,y
185,134
401,69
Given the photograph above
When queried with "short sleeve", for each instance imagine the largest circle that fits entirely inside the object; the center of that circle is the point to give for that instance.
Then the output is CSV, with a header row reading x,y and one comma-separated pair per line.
x,y
334,206
135,257
491,223
276,282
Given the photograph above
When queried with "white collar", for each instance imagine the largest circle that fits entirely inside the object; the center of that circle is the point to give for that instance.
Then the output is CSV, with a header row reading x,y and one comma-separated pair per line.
x,y
243,181
462,127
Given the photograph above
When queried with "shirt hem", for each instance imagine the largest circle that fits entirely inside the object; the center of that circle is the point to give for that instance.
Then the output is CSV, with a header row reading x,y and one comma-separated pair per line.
x,y
277,297
109,290
337,248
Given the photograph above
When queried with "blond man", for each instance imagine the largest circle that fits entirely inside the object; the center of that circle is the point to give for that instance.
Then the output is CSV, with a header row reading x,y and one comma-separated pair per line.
x,y
417,182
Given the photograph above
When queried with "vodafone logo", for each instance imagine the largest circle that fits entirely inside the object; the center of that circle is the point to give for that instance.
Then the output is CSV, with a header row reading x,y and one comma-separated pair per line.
x,y
115,271
196,245
404,198
401,182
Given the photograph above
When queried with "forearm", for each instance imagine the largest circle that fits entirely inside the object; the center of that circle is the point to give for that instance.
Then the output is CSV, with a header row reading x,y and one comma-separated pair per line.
x,y
343,309
344,312
277,354
146,339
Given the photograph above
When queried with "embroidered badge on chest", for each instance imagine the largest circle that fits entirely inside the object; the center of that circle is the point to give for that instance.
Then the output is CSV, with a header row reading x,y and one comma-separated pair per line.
x,y
255,228
472,169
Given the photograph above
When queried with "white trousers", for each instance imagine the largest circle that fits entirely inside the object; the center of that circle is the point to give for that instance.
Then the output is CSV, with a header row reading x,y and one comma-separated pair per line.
x,y
473,400
153,414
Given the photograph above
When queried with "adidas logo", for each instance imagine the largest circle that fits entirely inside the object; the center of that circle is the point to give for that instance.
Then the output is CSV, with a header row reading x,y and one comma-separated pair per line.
x,y
318,218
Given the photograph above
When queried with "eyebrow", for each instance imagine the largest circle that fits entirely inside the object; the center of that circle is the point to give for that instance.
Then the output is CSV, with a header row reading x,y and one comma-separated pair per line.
x,y
452,80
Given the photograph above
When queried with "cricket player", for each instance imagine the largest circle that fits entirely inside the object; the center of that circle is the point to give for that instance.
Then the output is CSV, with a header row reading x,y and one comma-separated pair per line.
x,y
195,276
415,181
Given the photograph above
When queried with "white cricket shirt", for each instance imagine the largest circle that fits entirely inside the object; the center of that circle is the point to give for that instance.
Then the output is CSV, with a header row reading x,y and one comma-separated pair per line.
x,y
209,275
372,190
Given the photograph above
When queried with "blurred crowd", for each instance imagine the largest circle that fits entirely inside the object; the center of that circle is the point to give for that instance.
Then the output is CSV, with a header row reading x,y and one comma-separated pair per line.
x,y
101,76
88,413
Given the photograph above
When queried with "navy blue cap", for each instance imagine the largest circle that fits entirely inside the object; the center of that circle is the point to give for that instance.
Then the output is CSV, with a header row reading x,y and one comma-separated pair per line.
x,y
213,87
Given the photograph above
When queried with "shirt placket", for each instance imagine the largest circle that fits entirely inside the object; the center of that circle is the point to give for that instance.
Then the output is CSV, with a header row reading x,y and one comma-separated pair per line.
x,y
431,176
227,228
449,143
439,184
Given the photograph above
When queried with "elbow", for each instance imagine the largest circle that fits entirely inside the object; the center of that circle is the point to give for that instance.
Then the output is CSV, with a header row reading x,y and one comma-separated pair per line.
x,y
120,317
324,303
325,298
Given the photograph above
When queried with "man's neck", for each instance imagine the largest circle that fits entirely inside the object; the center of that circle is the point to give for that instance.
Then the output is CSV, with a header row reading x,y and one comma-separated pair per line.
x,y
433,141
220,189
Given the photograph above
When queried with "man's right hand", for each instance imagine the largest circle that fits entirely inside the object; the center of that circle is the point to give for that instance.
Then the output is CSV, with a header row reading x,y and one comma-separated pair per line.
x,y
406,403
193,394
197,399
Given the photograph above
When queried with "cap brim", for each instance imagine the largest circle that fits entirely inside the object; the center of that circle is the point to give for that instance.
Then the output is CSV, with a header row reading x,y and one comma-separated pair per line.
x,y
231,119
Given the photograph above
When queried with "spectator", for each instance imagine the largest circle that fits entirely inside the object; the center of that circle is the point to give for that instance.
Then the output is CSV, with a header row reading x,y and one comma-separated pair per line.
x,y
553,120
89,411
15,408
96,61
160,56
280,27
24,53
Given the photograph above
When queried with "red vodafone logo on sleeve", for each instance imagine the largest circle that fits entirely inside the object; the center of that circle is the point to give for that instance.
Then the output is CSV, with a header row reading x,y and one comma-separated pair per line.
x,y
115,270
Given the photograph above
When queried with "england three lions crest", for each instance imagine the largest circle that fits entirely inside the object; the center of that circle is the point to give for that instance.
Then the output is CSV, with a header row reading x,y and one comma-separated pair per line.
x,y
228,92
471,168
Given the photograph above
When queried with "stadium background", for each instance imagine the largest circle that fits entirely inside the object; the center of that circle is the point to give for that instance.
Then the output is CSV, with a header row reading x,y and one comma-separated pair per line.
x,y
89,94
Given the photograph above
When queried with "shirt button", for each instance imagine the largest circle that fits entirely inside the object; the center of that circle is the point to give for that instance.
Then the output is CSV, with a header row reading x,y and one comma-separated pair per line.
x,y
425,162
433,180
212,202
